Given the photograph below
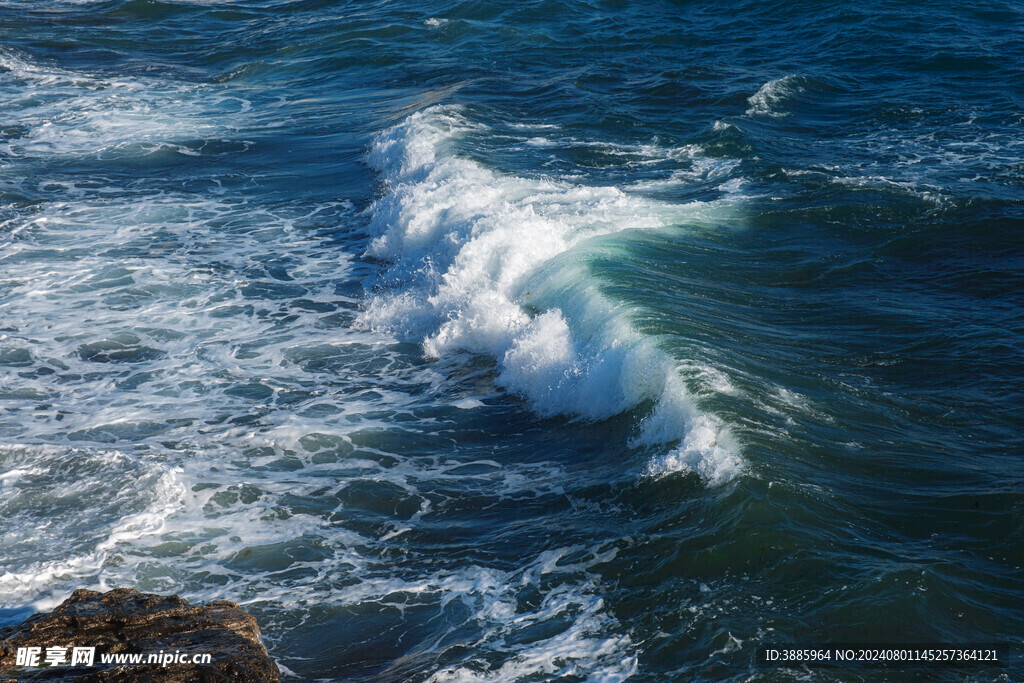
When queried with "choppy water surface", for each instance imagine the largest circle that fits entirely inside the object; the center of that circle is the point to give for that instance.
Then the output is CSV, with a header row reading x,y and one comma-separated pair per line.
x,y
523,340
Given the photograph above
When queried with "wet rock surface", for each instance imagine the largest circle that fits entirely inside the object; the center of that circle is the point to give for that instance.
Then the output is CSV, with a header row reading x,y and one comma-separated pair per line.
x,y
126,622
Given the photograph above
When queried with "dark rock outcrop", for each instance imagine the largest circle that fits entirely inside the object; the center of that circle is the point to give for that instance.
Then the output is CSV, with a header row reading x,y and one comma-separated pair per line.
x,y
126,622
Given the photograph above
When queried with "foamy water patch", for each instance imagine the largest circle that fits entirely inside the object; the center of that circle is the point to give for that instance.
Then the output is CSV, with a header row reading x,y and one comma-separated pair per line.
x,y
51,110
300,522
580,638
66,511
496,265
701,169
926,192
186,302
770,98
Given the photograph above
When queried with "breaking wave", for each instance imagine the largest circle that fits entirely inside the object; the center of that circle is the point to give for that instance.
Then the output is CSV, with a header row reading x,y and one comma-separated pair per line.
x,y
496,264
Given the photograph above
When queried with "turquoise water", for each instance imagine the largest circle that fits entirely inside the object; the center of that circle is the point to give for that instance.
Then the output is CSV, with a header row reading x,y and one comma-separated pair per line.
x,y
518,341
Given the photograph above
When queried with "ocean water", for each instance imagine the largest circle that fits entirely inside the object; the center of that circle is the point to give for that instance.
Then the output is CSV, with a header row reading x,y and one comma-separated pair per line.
x,y
536,340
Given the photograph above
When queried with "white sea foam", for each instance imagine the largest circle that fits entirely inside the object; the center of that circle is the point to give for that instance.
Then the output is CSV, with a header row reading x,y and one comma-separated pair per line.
x,y
495,264
171,275
59,111
41,552
917,189
770,98
588,644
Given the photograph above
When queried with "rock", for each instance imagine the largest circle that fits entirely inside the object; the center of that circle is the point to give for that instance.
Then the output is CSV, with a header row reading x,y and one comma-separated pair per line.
x,y
126,622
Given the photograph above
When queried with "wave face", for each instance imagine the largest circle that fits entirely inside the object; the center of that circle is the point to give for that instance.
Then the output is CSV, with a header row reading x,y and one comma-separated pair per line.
x,y
495,264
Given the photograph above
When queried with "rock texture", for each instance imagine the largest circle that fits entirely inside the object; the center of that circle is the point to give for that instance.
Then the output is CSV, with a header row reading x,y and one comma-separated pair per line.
x,y
126,621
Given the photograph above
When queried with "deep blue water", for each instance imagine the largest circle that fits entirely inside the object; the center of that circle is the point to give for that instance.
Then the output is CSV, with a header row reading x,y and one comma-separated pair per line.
x,y
519,340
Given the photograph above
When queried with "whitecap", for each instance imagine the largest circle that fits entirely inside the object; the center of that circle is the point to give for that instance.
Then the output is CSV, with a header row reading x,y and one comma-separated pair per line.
x,y
770,98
